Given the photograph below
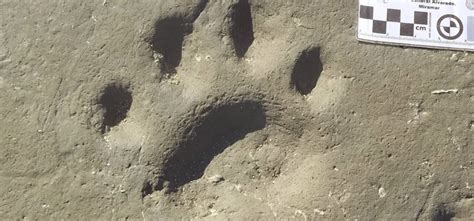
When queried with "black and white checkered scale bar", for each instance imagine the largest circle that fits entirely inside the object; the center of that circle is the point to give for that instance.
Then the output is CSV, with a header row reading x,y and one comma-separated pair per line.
x,y
393,15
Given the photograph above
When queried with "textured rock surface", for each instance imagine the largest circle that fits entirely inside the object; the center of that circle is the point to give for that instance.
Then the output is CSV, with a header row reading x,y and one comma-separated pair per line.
x,y
226,109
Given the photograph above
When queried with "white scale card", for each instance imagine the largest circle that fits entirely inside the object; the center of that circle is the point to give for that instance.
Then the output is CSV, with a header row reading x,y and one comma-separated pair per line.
x,y
447,24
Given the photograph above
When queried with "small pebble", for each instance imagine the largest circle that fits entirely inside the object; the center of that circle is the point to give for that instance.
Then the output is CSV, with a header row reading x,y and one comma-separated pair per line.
x,y
382,192
215,179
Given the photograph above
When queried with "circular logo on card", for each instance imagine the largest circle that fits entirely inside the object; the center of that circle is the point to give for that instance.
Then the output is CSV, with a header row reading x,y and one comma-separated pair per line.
x,y
450,27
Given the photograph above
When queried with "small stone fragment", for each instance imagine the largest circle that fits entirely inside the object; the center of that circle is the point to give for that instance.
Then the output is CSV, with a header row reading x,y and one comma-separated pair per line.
x,y
215,179
450,91
382,192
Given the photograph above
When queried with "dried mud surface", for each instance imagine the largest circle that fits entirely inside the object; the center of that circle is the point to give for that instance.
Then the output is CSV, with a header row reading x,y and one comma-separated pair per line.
x,y
239,109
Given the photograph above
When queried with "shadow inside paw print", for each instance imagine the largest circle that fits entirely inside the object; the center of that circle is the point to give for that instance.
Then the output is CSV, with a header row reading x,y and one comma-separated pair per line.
x,y
307,70
461,209
208,136
116,101
443,213
167,40
241,27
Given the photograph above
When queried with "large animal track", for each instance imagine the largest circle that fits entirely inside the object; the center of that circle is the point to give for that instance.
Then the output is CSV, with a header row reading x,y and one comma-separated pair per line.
x,y
243,131
205,134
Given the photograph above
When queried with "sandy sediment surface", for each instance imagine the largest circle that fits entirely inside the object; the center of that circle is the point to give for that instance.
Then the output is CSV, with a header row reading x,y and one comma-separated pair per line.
x,y
138,110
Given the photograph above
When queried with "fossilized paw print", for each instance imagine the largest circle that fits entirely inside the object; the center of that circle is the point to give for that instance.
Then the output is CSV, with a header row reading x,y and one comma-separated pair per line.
x,y
232,126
